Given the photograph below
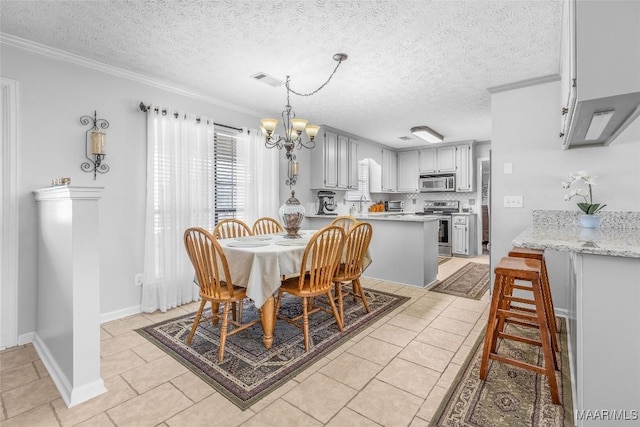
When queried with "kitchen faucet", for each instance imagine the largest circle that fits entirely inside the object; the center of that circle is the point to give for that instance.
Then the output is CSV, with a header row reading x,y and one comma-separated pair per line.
x,y
362,199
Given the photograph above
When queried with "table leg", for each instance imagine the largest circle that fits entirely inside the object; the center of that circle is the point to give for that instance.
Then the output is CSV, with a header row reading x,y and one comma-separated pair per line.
x,y
267,314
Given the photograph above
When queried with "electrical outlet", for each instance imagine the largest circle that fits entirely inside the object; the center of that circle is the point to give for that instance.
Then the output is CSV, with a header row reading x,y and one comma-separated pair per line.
x,y
137,279
512,201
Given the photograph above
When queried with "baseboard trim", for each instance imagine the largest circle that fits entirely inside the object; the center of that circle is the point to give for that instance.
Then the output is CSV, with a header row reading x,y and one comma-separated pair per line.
x,y
119,314
71,396
26,338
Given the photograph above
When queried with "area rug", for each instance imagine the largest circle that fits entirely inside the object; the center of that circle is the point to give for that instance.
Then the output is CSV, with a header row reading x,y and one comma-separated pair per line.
x,y
470,281
249,371
510,396
443,259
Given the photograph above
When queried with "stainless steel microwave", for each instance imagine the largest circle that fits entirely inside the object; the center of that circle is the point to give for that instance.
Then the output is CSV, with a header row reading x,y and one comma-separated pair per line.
x,y
437,183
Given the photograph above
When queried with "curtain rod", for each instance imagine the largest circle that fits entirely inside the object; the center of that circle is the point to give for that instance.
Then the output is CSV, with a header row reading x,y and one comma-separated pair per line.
x,y
146,108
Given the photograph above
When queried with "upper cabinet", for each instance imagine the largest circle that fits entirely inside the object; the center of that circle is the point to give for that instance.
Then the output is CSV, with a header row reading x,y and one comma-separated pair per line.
x,y
600,71
389,170
334,162
437,160
408,171
464,167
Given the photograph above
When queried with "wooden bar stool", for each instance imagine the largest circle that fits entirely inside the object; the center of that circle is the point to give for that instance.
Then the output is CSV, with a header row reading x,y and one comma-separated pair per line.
x,y
501,311
546,289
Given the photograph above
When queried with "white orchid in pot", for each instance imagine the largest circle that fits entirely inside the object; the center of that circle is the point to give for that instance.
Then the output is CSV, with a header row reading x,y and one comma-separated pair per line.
x,y
588,220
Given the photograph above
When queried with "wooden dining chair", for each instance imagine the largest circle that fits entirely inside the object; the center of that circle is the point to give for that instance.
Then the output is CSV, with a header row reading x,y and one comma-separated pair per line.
x,y
356,244
229,228
266,225
216,286
321,255
344,221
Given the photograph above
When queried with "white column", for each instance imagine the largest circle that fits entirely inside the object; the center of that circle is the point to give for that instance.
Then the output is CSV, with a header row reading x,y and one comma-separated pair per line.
x,y
67,334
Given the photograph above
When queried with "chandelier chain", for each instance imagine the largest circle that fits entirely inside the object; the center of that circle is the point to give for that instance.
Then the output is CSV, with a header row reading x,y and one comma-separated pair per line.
x,y
315,91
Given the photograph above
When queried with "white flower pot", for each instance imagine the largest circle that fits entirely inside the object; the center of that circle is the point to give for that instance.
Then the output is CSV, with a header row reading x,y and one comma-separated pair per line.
x,y
589,221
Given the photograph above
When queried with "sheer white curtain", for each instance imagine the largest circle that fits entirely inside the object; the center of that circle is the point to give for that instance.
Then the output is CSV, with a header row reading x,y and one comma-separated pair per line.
x,y
180,194
259,182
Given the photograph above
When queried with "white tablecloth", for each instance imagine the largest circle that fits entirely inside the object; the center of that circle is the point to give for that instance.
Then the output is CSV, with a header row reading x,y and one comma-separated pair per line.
x,y
260,269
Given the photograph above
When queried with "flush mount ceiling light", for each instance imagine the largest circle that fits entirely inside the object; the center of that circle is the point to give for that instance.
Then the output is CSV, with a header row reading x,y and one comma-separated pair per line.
x,y
599,121
426,133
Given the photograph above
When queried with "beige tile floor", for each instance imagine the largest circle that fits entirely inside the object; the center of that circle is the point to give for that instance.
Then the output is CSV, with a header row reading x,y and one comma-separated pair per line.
x,y
394,373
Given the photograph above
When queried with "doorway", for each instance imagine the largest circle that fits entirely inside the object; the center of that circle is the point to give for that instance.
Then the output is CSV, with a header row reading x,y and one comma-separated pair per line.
x,y
484,196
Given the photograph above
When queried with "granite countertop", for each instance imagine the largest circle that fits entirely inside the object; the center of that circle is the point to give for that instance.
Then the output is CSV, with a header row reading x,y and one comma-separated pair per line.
x,y
385,216
599,241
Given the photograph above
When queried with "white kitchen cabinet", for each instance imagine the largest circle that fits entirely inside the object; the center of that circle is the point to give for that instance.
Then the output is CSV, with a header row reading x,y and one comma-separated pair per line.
x,y
463,235
352,182
343,162
334,162
464,167
408,172
389,170
437,160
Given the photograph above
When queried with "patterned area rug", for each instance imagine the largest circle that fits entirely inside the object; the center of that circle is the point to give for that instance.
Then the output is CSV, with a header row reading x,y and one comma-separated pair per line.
x,y
510,396
443,259
470,281
249,371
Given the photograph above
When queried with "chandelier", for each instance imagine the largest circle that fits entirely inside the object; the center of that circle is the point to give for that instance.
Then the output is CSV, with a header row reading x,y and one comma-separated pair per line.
x,y
294,127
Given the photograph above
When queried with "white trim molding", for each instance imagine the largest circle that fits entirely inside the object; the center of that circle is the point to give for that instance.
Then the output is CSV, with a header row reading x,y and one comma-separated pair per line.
x,y
119,314
61,55
9,214
71,395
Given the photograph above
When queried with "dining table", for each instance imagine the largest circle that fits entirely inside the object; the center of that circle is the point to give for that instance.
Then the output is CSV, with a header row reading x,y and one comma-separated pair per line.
x,y
258,263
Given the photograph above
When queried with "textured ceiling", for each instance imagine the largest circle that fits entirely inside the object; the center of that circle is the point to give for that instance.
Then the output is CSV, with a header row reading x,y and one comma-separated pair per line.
x,y
410,63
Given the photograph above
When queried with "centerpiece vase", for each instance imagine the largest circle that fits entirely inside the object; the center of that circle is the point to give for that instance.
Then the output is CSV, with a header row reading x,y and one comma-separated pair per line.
x,y
291,216
589,221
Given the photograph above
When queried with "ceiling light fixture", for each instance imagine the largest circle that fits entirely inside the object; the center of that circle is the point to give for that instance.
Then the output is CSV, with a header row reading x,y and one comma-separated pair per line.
x,y
293,127
426,133
599,121
292,212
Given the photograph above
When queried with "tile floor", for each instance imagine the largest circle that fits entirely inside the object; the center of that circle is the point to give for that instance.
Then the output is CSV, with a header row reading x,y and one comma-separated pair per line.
x,y
396,372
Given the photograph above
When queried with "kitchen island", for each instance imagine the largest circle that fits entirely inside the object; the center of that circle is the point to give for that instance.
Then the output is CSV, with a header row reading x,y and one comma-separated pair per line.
x,y
603,316
404,248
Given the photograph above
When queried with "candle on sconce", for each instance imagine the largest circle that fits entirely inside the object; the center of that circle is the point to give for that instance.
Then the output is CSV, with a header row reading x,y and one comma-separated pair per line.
x,y
98,142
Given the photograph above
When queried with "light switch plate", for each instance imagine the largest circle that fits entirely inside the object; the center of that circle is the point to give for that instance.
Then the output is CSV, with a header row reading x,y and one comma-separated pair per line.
x,y
513,201
508,168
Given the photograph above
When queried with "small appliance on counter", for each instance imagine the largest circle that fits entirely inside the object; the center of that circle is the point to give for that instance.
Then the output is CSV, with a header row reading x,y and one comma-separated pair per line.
x,y
394,206
326,203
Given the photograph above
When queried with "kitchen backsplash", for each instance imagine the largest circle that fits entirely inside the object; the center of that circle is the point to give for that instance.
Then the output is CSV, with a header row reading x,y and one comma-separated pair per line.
x,y
412,202
561,218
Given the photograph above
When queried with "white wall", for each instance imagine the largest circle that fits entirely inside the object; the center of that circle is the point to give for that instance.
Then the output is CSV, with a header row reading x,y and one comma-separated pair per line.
x,y
53,95
526,124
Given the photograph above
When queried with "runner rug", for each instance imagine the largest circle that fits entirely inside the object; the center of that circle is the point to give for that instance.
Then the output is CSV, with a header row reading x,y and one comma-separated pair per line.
x,y
510,396
249,371
470,281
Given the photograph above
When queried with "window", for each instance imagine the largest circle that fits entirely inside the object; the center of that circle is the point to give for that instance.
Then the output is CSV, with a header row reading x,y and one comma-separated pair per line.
x,y
362,193
229,200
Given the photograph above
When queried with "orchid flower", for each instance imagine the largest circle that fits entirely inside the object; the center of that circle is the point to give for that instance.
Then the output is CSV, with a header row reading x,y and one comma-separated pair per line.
x,y
588,207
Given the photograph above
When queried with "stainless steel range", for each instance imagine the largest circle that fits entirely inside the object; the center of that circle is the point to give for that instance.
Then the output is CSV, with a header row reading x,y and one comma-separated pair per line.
x,y
442,210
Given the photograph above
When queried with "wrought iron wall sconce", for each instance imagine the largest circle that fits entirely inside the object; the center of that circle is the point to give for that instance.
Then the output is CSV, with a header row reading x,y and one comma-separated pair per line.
x,y
94,144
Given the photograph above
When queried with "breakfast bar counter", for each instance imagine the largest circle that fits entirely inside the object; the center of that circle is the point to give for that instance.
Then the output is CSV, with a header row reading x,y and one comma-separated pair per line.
x,y
603,314
404,248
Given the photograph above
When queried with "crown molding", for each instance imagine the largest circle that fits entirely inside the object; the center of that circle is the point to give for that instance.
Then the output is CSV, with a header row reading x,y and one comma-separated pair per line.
x,y
61,55
524,83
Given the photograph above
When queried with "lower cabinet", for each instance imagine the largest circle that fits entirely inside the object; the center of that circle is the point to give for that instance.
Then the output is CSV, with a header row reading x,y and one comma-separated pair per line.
x,y
463,235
